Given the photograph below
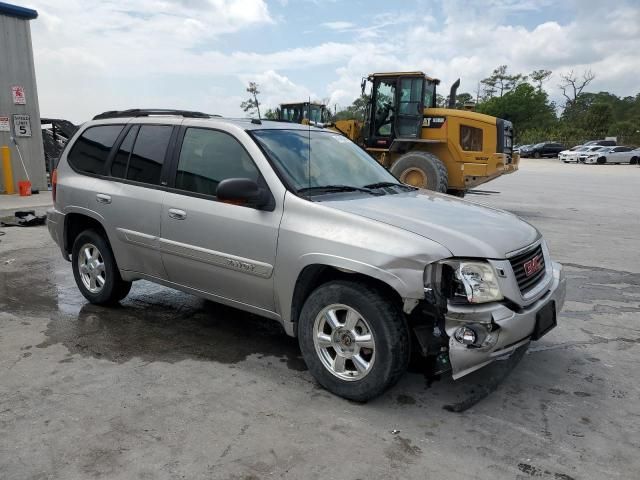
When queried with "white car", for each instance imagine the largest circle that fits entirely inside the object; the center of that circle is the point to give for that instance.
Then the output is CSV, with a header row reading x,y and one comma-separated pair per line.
x,y
592,150
616,155
573,155
566,154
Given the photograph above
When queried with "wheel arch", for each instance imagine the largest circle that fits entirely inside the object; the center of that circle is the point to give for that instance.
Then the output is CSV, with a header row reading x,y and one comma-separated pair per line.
x,y
77,221
323,270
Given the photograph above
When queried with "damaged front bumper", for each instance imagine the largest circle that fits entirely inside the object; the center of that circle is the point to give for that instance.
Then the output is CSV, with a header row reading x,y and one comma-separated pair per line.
x,y
501,328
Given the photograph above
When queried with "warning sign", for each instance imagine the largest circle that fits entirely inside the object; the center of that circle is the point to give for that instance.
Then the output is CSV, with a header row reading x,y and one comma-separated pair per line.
x,y
18,95
4,124
21,125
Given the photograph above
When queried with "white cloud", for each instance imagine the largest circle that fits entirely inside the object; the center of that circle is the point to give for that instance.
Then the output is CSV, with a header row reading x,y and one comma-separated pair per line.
x,y
338,25
276,89
99,55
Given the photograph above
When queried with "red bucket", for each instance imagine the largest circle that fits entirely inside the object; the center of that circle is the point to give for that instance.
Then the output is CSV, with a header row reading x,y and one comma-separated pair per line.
x,y
24,188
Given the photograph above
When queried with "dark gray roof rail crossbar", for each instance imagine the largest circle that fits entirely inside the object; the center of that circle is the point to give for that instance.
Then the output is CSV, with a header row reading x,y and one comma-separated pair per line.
x,y
148,112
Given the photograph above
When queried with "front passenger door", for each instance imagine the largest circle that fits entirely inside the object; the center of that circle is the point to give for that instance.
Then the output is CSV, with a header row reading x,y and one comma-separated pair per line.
x,y
222,249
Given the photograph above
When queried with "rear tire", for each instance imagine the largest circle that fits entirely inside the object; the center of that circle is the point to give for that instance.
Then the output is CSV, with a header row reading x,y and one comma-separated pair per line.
x,y
354,340
423,170
633,161
95,270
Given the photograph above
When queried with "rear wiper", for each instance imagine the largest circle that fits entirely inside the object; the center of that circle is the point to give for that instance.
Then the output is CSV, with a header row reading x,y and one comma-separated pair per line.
x,y
388,184
337,188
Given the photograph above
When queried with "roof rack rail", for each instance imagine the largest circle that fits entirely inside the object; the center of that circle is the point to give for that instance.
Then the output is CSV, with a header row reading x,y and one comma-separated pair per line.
x,y
148,112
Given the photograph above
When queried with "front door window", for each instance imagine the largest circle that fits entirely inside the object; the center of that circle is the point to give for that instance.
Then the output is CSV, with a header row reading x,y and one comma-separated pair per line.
x,y
385,95
409,116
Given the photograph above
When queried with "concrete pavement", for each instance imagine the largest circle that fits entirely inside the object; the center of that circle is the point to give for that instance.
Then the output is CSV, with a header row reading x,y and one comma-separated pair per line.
x,y
169,386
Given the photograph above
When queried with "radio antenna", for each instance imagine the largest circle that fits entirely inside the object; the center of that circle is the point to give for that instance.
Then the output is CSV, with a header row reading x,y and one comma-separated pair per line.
x,y
309,148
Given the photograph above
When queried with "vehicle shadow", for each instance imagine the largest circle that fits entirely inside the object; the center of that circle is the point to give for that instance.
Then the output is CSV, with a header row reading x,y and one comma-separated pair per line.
x,y
162,325
156,324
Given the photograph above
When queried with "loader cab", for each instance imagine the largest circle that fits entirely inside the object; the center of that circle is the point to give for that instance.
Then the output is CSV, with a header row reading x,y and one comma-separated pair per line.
x,y
305,112
396,106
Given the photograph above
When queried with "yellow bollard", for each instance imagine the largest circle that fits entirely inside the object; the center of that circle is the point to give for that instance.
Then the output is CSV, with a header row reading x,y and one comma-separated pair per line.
x,y
7,172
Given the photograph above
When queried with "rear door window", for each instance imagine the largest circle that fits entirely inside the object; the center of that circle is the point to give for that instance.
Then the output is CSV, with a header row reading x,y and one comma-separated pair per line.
x,y
150,149
121,160
90,152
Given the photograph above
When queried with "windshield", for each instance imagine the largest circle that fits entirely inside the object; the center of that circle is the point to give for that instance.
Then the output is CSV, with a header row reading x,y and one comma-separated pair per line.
x,y
335,160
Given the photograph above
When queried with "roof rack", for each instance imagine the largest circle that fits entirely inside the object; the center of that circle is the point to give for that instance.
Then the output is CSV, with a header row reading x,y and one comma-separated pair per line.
x,y
148,112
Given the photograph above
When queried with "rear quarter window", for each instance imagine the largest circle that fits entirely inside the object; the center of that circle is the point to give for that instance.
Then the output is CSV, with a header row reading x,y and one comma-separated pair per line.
x,y
90,152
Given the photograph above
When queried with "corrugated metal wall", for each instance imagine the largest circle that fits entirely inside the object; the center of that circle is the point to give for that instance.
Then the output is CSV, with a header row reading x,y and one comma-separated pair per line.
x,y
17,68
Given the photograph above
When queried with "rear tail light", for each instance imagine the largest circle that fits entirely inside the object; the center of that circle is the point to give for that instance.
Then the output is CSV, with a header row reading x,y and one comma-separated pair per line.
x,y
54,184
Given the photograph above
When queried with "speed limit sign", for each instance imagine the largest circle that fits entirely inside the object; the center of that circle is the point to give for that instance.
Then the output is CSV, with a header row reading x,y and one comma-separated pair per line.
x,y
21,125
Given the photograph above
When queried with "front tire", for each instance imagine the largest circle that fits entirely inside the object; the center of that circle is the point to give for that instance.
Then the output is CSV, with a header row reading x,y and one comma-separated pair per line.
x,y
95,270
354,339
536,155
422,170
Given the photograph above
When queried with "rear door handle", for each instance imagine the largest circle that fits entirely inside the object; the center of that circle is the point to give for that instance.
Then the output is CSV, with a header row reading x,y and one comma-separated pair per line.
x,y
103,198
177,214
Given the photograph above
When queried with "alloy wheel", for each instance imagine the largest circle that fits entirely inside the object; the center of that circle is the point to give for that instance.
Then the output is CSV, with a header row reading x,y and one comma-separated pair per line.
x,y
92,269
344,342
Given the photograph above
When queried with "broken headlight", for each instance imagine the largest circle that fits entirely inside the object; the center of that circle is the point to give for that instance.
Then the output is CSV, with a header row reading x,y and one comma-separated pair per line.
x,y
470,281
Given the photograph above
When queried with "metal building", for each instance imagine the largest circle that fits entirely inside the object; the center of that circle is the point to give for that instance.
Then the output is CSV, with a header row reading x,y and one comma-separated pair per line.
x,y
19,111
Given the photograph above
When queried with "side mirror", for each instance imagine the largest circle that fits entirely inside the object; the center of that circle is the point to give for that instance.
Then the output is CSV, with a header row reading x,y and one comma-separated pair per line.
x,y
242,191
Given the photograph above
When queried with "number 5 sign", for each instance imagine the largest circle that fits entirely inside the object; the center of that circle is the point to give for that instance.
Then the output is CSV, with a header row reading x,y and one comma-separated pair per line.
x,y
22,125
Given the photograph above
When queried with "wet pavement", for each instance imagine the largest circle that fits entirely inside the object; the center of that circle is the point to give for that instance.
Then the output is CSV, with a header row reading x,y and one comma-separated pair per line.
x,y
167,385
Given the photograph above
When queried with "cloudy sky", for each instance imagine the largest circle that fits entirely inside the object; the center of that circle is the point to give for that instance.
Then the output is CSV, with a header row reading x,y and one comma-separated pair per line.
x,y
96,55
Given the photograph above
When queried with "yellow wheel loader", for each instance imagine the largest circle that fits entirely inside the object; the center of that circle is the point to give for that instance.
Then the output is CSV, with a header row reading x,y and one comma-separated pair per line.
x,y
441,149
307,113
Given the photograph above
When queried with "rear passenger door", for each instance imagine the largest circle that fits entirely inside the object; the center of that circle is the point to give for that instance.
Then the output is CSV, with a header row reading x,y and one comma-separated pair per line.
x,y
131,201
225,250
620,155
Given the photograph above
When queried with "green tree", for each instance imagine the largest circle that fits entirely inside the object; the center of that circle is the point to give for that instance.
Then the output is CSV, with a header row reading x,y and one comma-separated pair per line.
x,y
598,119
525,106
539,77
354,111
500,82
252,105
271,114
462,99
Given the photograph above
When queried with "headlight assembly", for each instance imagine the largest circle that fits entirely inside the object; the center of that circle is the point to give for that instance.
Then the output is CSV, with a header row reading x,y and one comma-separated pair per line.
x,y
470,281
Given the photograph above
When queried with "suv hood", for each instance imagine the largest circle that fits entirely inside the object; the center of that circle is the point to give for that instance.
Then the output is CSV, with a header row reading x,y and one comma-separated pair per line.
x,y
464,228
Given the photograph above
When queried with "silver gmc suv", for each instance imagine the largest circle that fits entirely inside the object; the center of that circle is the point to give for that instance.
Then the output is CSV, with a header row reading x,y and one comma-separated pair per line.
x,y
300,225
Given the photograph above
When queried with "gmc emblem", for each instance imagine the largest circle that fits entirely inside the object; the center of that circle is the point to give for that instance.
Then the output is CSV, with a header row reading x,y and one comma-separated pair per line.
x,y
532,266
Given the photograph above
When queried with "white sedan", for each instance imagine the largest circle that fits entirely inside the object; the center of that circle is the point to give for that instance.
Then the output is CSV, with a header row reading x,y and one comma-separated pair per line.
x,y
575,153
615,155
567,154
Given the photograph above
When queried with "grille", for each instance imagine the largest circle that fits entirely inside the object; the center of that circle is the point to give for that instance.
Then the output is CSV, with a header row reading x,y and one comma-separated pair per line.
x,y
528,282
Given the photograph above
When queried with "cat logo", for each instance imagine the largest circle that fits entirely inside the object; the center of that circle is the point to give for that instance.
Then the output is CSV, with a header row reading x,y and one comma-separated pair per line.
x,y
433,122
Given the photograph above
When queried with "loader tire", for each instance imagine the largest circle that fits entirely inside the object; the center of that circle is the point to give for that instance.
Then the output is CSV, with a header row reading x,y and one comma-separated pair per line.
x,y
422,170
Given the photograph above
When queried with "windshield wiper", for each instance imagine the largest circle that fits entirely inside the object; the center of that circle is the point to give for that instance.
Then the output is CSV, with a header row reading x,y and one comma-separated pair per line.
x,y
389,184
337,188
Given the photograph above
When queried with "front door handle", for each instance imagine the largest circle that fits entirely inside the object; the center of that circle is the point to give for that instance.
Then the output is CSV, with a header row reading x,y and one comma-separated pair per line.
x,y
103,198
177,214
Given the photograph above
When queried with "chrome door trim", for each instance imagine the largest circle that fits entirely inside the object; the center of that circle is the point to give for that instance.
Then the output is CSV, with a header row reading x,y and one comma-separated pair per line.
x,y
137,238
219,259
